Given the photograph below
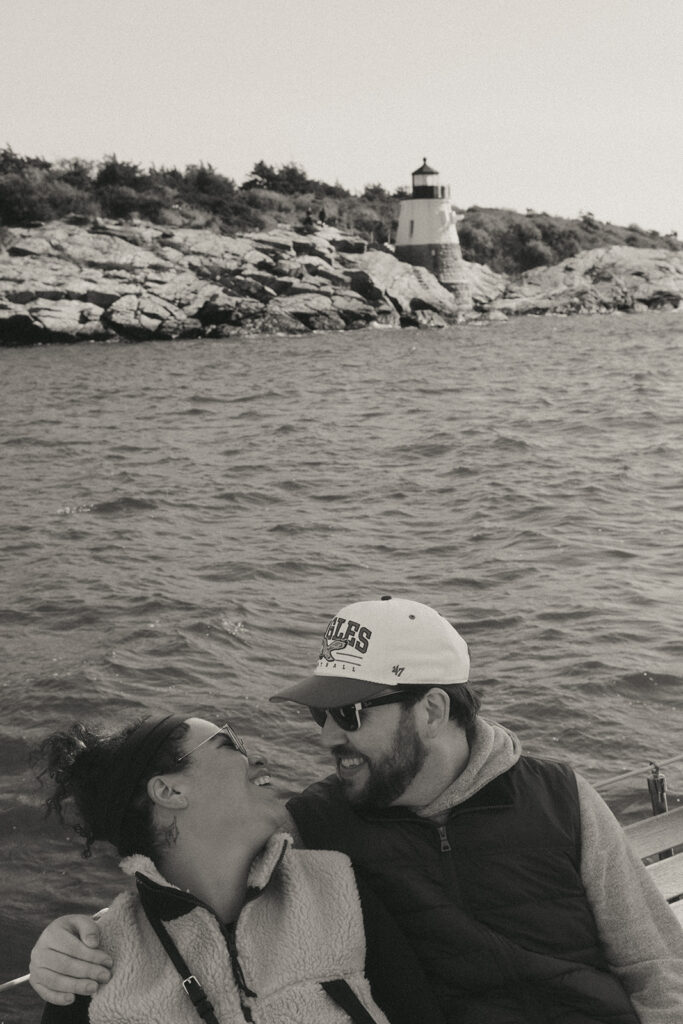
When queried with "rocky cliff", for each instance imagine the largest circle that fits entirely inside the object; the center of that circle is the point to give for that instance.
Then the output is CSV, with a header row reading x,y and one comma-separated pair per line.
x,y
137,281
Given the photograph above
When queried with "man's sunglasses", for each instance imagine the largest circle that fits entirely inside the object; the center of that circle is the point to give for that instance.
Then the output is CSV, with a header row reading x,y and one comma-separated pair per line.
x,y
347,717
226,730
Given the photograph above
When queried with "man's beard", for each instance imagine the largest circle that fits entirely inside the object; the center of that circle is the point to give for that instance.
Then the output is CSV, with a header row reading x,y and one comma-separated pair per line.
x,y
389,777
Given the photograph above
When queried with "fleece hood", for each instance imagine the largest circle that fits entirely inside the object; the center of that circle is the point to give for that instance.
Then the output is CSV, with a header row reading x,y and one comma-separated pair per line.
x,y
493,750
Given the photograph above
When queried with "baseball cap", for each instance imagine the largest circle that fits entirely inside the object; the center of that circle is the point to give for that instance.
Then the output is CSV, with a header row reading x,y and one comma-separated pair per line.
x,y
370,646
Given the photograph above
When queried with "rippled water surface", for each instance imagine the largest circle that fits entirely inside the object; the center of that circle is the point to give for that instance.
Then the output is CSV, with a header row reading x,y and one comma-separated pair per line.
x,y
179,520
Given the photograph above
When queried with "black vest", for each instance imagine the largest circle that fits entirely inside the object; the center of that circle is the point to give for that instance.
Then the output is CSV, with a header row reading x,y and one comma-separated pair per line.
x,y
492,902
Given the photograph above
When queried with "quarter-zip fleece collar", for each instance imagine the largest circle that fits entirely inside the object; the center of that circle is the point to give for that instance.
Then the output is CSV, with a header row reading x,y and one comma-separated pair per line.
x,y
170,902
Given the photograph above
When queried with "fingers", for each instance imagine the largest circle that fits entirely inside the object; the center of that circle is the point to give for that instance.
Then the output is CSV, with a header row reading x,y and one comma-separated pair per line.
x,y
80,945
65,977
63,965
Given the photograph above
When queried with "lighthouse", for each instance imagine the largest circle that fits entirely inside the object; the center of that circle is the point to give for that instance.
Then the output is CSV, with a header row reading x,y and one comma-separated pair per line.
x,y
427,235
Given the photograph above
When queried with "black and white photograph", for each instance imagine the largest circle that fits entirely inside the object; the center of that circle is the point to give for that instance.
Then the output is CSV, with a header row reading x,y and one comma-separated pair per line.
x,y
341,441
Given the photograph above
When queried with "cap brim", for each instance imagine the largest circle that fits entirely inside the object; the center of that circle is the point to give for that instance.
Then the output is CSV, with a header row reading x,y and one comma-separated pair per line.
x,y
331,691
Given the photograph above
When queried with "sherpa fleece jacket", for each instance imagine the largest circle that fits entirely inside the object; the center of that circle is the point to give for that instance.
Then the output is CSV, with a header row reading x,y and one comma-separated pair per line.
x,y
640,936
301,925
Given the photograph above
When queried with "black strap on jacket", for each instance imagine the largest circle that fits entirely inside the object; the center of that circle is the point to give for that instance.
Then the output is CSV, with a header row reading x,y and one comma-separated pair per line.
x,y
339,990
193,988
344,996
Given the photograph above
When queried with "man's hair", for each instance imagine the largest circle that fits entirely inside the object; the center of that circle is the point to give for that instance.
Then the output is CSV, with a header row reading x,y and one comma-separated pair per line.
x,y
464,701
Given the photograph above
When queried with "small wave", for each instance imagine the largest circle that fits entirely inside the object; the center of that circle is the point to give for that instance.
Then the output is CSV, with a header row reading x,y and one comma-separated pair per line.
x,y
208,399
26,441
620,553
232,628
72,510
650,681
581,668
123,504
505,443
193,411
207,630
566,616
457,471
116,506
465,581
292,529
8,616
256,396
502,622
235,572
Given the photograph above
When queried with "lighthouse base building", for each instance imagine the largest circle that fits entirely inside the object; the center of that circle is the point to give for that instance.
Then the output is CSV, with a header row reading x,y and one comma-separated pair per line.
x,y
427,235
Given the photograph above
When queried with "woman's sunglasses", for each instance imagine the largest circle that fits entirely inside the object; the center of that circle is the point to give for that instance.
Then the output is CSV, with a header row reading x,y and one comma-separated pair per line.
x,y
226,730
347,717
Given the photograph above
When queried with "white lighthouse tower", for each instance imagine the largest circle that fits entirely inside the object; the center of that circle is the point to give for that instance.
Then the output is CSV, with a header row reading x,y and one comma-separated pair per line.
x,y
427,235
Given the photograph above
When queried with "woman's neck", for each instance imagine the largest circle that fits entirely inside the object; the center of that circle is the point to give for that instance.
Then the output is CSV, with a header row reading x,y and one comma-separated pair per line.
x,y
217,876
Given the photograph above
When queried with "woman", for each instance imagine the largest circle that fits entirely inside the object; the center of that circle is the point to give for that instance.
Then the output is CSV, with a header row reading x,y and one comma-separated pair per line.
x,y
229,921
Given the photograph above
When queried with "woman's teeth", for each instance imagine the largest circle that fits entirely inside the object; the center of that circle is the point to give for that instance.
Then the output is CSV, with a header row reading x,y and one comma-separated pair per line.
x,y
262,780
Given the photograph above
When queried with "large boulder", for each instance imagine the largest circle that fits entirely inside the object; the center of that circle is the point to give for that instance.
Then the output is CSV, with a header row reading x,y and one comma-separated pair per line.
x,y
17,327
312,309
69,320
619,277
484,284
44,320
379,276
141,317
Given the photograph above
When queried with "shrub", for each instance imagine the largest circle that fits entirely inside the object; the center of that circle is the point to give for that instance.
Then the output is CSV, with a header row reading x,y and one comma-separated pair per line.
x,y
21,200
535,253
119,174
476,243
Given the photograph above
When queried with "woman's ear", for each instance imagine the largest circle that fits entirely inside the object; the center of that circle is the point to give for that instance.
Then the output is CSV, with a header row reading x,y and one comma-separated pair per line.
x,y
167,791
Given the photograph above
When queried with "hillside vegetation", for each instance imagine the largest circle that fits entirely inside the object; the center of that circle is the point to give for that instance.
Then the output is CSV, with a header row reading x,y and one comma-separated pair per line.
x,y
35,190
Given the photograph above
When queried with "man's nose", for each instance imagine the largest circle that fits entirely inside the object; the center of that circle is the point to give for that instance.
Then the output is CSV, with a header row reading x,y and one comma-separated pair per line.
x,y
331,734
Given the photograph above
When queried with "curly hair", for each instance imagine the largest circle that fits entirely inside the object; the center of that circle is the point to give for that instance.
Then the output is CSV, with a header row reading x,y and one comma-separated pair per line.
x,y
81,761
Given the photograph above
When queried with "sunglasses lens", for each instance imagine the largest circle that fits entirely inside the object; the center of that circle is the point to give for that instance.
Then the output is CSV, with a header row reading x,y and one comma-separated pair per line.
x,y
318,715
237,741
346,717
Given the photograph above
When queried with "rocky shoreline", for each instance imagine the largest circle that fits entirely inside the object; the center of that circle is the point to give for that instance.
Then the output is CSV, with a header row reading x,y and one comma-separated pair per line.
x,y
68,281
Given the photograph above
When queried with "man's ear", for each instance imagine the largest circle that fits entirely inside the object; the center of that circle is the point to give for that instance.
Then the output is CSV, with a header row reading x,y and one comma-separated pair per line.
x,y
436,708
167,791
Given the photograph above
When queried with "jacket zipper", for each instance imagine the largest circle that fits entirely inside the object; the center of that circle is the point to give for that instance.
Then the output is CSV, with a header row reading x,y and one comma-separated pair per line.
x,y
443,837
242,987
228,932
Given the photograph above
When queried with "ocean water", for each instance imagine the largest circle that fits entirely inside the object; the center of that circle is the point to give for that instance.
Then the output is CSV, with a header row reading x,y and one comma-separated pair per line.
x,y
179,521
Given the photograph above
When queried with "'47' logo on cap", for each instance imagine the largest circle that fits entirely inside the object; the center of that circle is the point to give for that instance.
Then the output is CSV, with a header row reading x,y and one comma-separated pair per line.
x,y
398,670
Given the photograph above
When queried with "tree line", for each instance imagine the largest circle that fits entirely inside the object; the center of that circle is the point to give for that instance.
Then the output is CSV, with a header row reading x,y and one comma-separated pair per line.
x,y
34,190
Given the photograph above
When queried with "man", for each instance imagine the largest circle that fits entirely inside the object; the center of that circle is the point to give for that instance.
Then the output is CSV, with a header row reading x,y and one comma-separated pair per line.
x,y
507,874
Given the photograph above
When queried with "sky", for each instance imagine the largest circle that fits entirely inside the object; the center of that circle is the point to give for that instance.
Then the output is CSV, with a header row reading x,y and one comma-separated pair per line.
x,y
562,106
